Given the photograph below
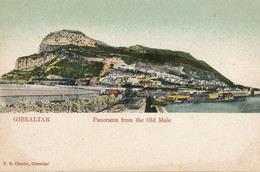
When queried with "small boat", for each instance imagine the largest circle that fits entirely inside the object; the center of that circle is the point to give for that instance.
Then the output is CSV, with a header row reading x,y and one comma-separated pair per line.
x,y
178,101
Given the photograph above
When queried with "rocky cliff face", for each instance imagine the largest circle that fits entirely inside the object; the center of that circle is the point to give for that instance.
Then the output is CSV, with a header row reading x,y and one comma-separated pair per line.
x,y
51,41
65,37
86,57
29,63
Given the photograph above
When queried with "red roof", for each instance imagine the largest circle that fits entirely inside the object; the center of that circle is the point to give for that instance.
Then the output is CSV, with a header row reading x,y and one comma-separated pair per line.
x,y
229,95
113,92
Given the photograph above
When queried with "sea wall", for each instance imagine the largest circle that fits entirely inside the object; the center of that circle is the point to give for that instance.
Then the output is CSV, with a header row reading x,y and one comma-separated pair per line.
x,y
32,99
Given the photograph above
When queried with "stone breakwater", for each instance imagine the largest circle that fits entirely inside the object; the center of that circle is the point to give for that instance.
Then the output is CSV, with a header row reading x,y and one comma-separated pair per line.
x,y
73,106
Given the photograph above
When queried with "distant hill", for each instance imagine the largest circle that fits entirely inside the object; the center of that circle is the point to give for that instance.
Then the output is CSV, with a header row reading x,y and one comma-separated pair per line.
x,y
65,53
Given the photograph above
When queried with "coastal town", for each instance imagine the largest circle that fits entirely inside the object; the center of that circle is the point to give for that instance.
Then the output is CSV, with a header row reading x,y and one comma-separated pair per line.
x,y
73,73
120,88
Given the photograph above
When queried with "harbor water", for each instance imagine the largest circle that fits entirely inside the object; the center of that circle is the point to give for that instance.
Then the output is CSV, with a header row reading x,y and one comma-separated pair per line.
x,y
250,105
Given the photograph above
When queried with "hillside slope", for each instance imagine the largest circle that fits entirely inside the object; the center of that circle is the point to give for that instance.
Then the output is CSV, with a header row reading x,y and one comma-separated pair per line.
x,y
68,59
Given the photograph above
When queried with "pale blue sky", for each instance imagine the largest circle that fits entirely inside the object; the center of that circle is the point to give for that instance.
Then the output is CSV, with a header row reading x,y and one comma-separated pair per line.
x,y
225,34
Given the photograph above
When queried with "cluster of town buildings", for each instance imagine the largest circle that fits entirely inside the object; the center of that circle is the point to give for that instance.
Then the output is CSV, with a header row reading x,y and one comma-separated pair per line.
x,y
121,74
161,85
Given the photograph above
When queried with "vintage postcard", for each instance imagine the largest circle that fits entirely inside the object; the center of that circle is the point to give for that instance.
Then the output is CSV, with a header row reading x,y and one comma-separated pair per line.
x,y
129,85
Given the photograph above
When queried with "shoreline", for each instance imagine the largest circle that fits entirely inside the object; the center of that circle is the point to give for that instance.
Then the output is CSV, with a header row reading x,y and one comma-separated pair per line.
x,y
250,105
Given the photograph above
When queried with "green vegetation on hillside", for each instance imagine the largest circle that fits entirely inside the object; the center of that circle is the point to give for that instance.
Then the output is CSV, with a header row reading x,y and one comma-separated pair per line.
x,y
130,55
68,69
134,54
32,57
56,66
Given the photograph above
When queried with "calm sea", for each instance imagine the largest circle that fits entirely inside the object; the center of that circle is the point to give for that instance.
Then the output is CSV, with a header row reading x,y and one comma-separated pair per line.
x,y
250,105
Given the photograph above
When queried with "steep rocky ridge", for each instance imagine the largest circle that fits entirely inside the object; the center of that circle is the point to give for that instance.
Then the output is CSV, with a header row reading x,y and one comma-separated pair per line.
x,y
68,53
66,37
29,62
